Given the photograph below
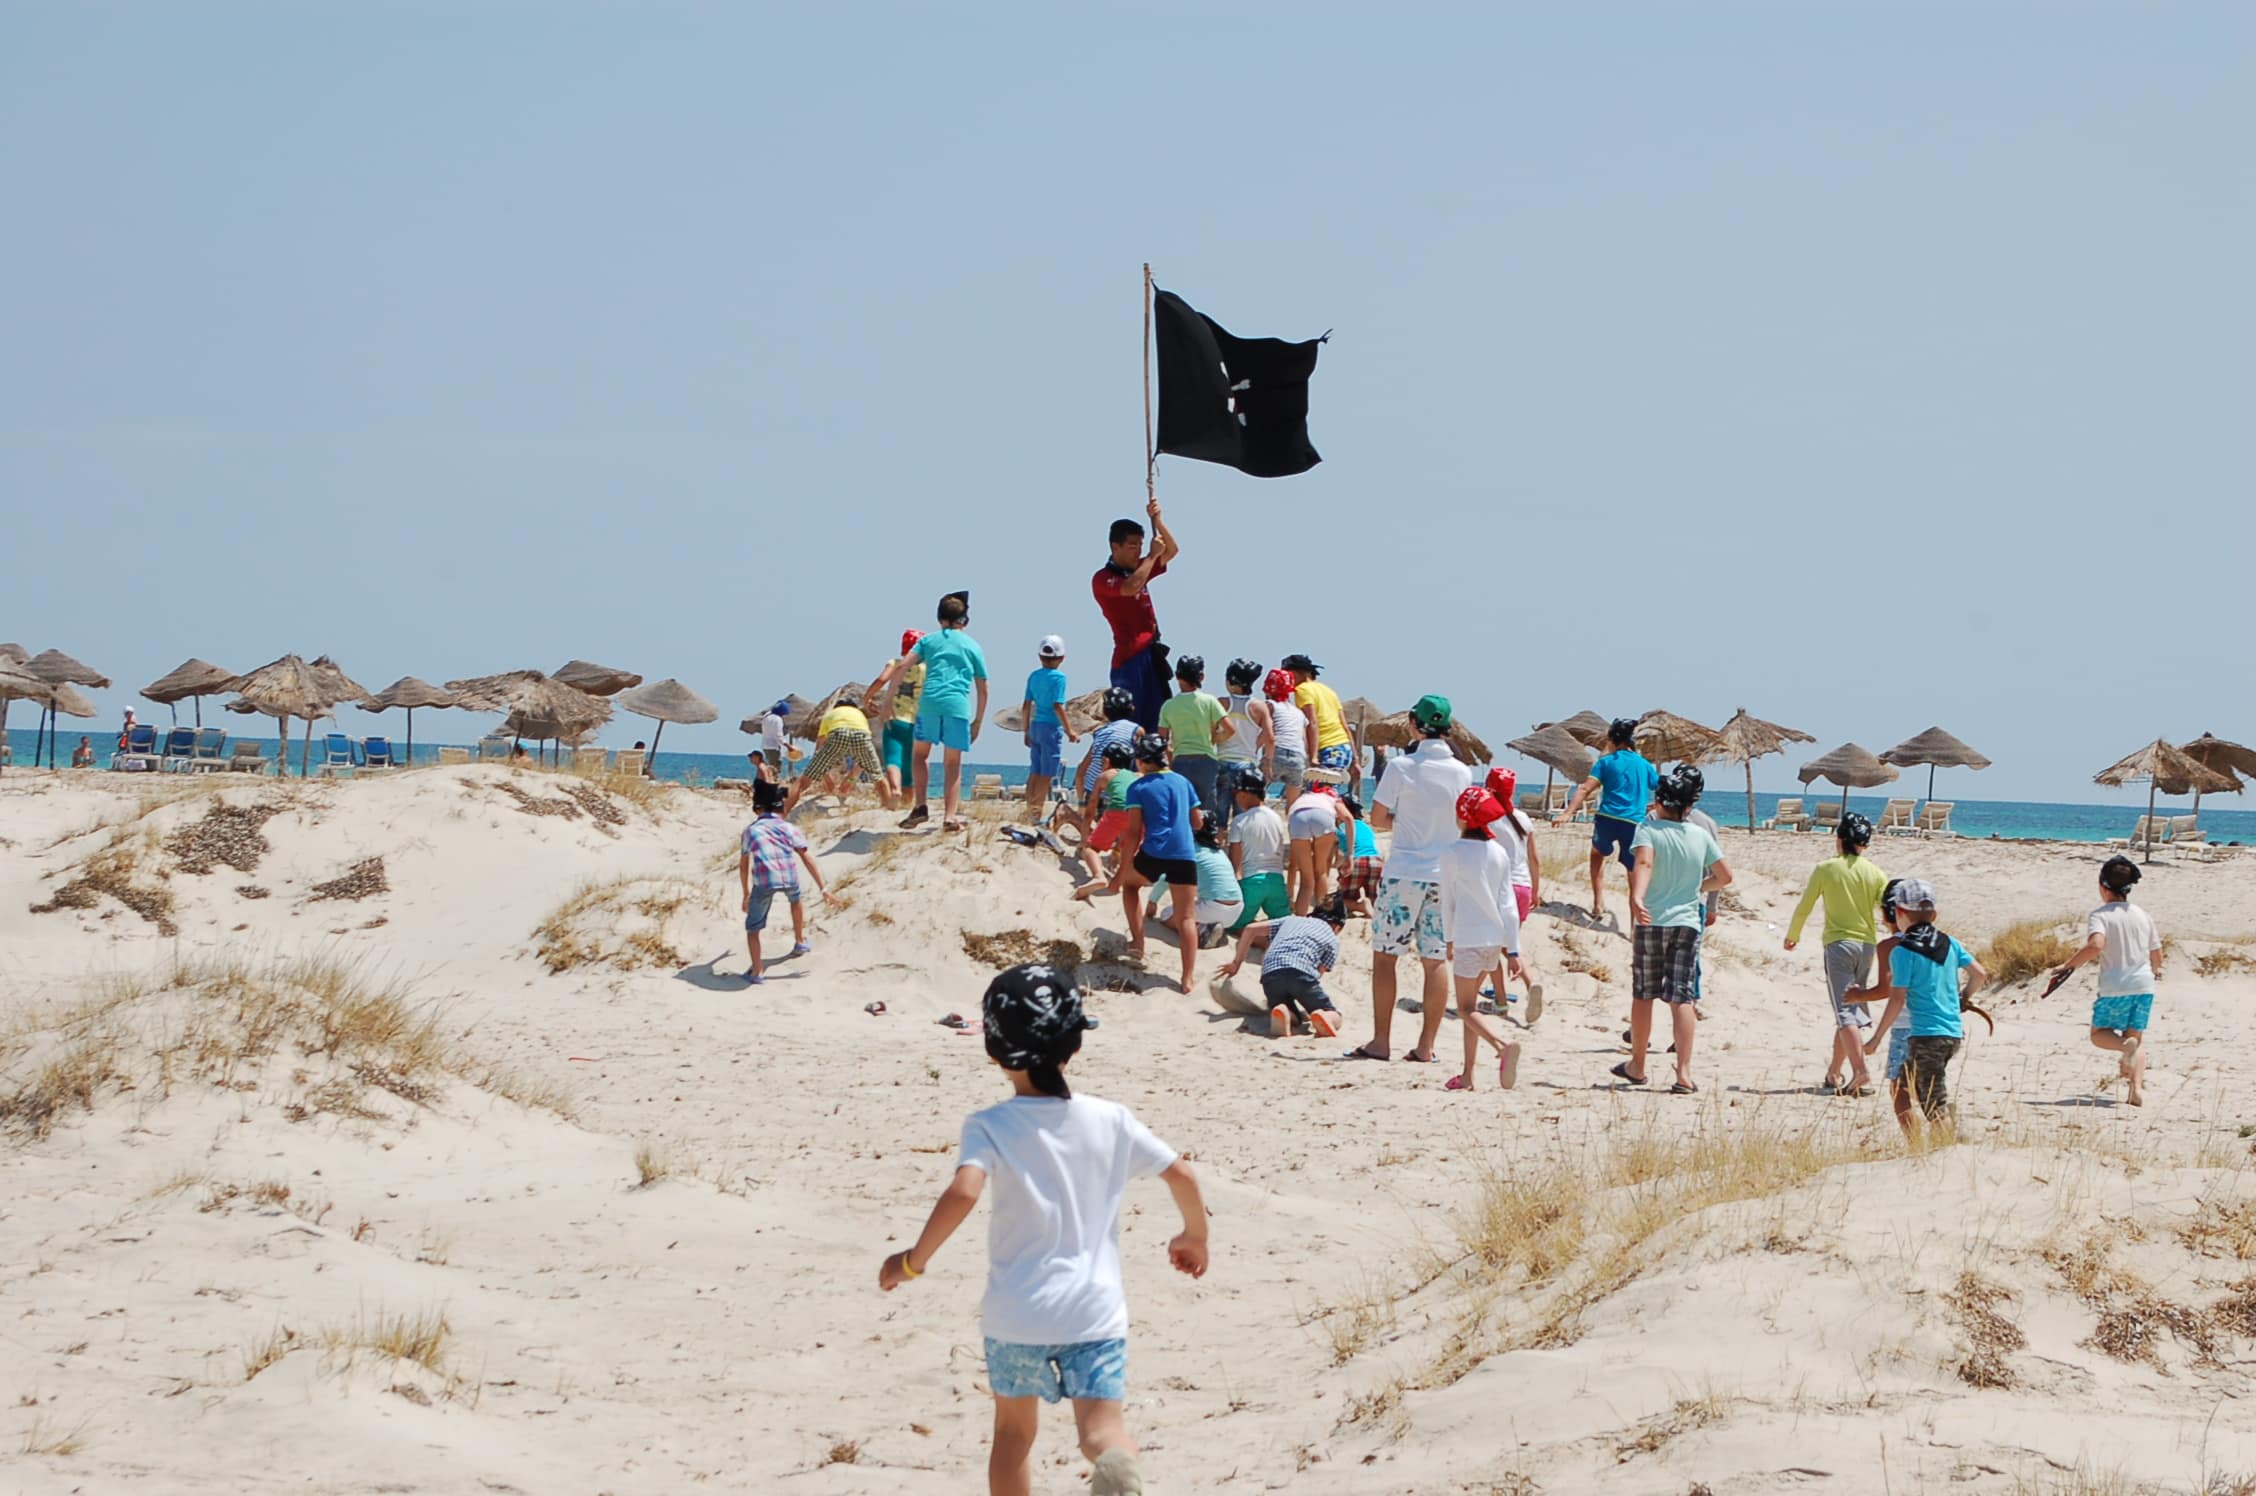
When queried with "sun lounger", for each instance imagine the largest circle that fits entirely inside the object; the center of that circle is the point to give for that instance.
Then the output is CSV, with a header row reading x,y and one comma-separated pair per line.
x,y
248,758
590,760
454,755
2185,831
493,748
630,761
1555,800
2153,830
179,748
1934,819
139,753
1895,819
336,755
211,751
1789,816
1827,817
988,787
376,753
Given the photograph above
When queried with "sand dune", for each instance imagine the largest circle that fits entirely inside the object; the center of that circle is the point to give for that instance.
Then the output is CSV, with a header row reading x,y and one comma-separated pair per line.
x,y
259,1141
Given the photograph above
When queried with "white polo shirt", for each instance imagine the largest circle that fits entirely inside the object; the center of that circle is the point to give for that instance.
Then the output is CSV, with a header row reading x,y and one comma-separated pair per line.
x,y
1420,791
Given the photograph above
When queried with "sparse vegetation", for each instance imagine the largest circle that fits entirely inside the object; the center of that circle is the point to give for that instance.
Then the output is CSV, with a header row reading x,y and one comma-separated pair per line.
x,y
844,1452
2223,963
1013,947
2029,948
652,1163
625,924
364,879
226,836
1991,1337
110,873
44,1438
2222,1228
1688,1414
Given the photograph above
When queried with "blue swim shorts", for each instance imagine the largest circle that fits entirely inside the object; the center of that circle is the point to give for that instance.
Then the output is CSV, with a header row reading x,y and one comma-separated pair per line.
x,y
2123,1014
756,912
1046,747
948,732
1092,1369
1340,758
1611,836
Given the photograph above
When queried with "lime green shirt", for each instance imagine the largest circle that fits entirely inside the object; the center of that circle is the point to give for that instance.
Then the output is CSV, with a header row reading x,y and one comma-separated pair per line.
x,y
1116,788
1189,718
1851,888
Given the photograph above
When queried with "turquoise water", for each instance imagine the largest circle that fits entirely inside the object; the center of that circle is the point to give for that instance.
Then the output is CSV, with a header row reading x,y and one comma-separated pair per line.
x,y
2011,819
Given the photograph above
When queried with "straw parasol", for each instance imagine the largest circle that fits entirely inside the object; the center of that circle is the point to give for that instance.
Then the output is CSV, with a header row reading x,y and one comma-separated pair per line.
x,y
2166,771
1664,737
1558,750
1744,739
408,693
596,680
1085,712
2213,752
59,669
667,701
191,678
539,706
1848,766
294,687
1936,749
1585,727
15,685
803,724
1397,731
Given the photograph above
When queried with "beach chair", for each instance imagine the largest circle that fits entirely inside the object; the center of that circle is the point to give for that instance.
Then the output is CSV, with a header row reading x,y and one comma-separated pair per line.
x,y
1827,816
1788,816
179,748
1895,818
454,756
1934,820
139,753
2185,831
1555,799
988,787
211,751
336,755
630,761
2147,828
493,748
376,753
248,758
590,760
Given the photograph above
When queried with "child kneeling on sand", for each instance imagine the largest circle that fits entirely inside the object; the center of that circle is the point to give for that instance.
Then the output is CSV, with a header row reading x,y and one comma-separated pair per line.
x,y
766,865
1923,983
1300,949
1055,1317
2122,939
1219,905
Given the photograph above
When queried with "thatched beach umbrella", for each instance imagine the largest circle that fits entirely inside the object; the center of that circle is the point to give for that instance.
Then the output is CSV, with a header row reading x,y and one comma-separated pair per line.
x,y
15,685
59,669
1666,738
294,687
1936,749
190,678
407,693
596,680
539,706
1398,731
1848,766
1559,751
2213,752
667,701
1085,712
1586,727
2166,771
1744,739
804,724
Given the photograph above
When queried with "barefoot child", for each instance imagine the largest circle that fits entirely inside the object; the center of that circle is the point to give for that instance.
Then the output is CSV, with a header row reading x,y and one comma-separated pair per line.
x,y
1300,948
1851,885
955,671
1922,983
1054,1316
1158,842
765,867
1107,813
1047,730
1481,921
2121,937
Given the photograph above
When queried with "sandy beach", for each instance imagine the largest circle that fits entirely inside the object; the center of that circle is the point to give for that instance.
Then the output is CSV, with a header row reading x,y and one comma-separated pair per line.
x,y
418,1133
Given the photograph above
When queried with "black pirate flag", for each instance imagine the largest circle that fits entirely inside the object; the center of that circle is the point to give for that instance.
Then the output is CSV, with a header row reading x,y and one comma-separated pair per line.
x,y
1242,402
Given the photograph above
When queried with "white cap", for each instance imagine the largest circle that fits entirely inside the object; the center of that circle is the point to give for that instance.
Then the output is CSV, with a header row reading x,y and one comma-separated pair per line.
x,y
1053,647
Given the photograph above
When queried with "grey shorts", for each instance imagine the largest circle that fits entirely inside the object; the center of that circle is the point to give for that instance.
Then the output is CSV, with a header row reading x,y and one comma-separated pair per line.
x,y
1848,963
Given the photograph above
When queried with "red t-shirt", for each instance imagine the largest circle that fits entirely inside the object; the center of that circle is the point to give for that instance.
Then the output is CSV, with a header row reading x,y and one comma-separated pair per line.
x,y
1134,624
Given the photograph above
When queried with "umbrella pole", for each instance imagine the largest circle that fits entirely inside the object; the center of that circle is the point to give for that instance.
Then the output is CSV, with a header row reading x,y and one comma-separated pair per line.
x,y
305,749
2150,820
199,710
651,763
411,737
1750,767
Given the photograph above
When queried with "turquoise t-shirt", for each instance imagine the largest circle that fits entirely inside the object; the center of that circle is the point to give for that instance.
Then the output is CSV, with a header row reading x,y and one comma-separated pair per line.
x,y
1217,881
952,660
1366,845
1626,780
1046,689
1682,855
1930,990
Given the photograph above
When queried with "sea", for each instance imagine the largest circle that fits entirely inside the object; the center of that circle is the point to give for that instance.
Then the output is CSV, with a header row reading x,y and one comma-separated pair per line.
x,y
2008,820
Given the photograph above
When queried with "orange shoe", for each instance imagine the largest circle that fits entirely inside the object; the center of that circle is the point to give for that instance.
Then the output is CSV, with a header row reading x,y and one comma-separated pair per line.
x,y
1324,1021
1280,1022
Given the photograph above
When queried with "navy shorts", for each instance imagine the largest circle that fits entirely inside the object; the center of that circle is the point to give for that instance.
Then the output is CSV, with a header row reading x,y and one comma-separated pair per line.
x,y
1611,835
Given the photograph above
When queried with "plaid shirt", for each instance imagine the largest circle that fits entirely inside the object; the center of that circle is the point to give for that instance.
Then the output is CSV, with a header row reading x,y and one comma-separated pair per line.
x,y
773,844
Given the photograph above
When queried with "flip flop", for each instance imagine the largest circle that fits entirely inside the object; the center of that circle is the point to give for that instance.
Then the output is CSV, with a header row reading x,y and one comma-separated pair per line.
x,y
1534,1004
1508,1067
952,1021
1456,1083
874,1009
1683,1088
1363,1052
1622,1071
1412,1059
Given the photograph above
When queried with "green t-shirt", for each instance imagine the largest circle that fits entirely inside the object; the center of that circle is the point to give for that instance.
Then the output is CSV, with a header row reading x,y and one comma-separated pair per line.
x,y
1189,719
1851,888
1682,855
1116,789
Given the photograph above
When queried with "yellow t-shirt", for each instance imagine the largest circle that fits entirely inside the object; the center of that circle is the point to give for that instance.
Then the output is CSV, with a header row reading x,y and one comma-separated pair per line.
x,y
906,690
842,716
1322,704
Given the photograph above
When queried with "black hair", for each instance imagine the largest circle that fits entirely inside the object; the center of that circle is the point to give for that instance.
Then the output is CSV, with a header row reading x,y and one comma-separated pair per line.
x,y
1191,670
1119,756
955,608
1354,806
1622,731
767,795
1332,910
2117,874
1034,1023
1208,835
1125,529
1888,899
1248,781
1242,674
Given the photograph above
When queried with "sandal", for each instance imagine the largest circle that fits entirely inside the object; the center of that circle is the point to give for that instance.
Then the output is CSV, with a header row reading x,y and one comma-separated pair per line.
x,y
952,1021
1683,1088
1508,1067
1456,1083
1412,1059
875,1010
1622,1071
1363,1052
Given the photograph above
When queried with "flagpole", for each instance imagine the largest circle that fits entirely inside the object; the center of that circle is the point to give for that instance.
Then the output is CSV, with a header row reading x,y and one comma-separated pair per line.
x,y
1151,454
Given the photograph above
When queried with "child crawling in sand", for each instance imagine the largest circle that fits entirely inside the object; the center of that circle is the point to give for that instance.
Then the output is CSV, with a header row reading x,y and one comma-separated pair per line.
x,y
1055,1317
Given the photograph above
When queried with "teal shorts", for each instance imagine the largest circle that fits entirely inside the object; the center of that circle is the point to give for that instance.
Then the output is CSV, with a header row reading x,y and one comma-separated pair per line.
x,y
1263,896
948,732
2125,1015
1096,1369
900,745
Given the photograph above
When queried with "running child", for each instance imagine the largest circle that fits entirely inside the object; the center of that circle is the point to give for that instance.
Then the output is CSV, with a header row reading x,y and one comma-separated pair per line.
x,y
1851,885
1163,812
1297,951
2121,937
1055,1316
954,665
1923,983
1622,781
1481,921
905,674
1257,852
765,867
1047,730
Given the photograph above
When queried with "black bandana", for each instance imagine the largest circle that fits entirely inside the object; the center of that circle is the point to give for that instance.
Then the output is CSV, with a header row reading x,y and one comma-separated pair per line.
x,y
1923,939
1034,1017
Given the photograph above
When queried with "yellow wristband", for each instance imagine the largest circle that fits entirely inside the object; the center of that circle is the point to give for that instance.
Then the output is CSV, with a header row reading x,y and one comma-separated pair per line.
x,y
908,1269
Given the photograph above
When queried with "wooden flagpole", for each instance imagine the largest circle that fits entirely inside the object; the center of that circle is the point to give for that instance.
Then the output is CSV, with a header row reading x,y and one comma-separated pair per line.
x,y
1151,453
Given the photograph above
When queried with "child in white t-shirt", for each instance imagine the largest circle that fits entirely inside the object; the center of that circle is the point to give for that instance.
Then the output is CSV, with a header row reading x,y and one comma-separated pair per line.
x,y
2121,937
1055,1316
1481,920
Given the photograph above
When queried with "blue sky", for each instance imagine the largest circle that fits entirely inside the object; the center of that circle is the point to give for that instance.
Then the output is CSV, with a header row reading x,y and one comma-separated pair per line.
x,y
1683,356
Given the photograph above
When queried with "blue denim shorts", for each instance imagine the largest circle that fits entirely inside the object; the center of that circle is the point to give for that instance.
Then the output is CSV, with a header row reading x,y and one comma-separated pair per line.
x,y
1092,1369
756,912
1899,1050
948,732
1046,748
2125,1014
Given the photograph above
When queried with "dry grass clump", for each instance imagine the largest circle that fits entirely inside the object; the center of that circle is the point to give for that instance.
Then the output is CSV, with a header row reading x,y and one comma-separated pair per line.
x,y
625,924
2131,1314
2221,1228
44,1438
1016,947
421,1338
2029,948
74,1077
844,1452
227,835
364,879
1991,1337
539,805
1688,1414
1576,957
652,1163
596,803
2223,963
111,872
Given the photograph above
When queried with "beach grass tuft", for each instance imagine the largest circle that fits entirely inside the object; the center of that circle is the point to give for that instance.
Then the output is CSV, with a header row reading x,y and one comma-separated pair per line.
x,y
2029,948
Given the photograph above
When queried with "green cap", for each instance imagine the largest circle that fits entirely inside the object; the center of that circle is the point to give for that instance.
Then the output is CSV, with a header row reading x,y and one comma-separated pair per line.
x,y
1432,713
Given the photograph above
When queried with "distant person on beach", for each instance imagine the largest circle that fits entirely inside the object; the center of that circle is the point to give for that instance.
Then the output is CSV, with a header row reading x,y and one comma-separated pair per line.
x,y
1288,734
1158,842
1482,923
1851,885
845,755
125,733
905,674
1257,841
82,757
1329,744
1047,730
1250,741
1054,1317
1922,983
1196,725
1676,864
1298,950
649,770
1417,800
517,754
1122,587
768,858
1623,781
2121,937
951,708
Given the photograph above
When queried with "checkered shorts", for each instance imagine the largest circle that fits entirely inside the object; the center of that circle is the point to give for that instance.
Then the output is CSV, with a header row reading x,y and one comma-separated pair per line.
x,y
845,748
1361,876
1665,964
